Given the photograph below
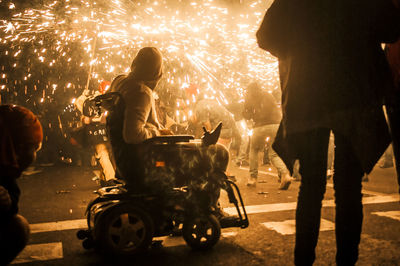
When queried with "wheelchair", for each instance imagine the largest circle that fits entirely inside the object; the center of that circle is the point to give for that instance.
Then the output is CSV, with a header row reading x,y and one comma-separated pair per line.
x,y
123,222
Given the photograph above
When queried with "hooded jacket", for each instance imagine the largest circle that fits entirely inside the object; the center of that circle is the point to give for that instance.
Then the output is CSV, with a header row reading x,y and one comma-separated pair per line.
x,y
140,117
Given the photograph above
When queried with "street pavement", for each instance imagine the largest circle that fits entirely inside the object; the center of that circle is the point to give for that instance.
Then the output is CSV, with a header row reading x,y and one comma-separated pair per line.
x,y
54,199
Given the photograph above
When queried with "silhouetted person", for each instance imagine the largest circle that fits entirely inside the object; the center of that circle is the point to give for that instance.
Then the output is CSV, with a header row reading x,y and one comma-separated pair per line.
x,y
334,75
135,117
20,137
261,107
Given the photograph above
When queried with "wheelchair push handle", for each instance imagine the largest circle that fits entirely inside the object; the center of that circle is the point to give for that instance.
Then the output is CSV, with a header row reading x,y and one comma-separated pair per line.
x,y
211,138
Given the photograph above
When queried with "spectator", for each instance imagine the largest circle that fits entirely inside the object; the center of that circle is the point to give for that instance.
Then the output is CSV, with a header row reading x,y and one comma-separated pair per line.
x,y
95,135
262,108
241,141
20,138
334,75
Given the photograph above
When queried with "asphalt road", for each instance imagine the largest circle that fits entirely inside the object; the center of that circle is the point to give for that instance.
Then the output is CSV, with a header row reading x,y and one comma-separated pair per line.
x,y
54,201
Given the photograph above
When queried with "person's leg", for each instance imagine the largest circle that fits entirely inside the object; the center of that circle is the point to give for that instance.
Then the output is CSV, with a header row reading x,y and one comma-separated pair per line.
x,y
312,149
331,155
13,238
256,141
283,173
242,154
105,162
349,212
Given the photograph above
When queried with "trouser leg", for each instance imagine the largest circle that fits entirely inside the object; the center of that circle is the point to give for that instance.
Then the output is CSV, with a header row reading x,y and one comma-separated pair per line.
x,y
277,162
348,198
313,147
105,162
255,148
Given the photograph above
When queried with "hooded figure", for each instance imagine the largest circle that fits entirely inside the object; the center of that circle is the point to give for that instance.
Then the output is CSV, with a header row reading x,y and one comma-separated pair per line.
x,y
134,118
136,89
20,137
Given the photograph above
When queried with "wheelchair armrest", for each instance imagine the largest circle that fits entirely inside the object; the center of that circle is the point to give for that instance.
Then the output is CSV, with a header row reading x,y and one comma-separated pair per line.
x,y
169,139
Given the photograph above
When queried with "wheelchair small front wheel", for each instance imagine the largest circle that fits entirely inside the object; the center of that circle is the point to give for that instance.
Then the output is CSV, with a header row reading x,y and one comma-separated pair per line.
x,y
201,233
124,230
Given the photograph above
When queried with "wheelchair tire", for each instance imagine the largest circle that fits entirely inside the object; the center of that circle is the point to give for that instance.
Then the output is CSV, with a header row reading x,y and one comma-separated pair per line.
x,y
124,230
201,233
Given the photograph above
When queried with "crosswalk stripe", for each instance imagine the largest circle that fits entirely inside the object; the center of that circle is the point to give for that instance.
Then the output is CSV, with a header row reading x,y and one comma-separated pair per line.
x,y
274,207
251,209
40,252
58,226
288,227
390,214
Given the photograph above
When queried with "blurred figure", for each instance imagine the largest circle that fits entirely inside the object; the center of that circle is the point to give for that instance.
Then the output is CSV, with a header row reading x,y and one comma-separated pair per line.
x,y
208,113
334,77
20,138
241,141
262,109
96,137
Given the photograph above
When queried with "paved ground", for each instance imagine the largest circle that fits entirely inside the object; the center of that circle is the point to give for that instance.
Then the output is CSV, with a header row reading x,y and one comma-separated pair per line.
x,y
54,201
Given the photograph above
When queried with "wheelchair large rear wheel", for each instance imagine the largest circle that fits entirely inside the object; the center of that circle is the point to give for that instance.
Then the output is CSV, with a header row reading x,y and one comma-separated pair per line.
x,y
201,233
124,230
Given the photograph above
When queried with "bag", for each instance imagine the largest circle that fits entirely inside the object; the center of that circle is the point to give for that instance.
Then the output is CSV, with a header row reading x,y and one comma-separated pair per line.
x,y
274,32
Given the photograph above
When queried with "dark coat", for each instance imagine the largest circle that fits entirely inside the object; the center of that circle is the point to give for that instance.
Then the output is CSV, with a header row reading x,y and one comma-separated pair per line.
x,y
333,71
8,179
262,108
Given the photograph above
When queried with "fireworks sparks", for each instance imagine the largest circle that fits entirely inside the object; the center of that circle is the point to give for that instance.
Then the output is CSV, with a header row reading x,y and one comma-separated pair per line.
x,y
205,42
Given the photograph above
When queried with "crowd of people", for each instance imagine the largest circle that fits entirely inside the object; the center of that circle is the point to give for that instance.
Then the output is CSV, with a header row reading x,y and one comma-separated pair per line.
x,y
334,81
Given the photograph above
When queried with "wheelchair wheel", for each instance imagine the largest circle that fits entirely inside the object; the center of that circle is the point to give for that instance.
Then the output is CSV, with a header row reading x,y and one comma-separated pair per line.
x,y
124,230
201,233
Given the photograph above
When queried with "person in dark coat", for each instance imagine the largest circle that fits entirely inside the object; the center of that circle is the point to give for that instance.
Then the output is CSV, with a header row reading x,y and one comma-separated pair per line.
x,y
20,138
334,76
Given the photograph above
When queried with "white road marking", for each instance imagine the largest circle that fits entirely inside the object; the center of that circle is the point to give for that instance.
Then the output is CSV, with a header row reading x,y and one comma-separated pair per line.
x,y
49,251
390,214
288,227
290,206
251,209
40,252
58,226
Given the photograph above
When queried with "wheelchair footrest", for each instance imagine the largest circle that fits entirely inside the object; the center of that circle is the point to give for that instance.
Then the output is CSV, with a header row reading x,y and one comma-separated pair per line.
x,y
232,221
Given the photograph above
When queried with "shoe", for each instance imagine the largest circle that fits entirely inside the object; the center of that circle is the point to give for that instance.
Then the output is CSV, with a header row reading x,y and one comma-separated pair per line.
x,y
252,182
242,163
245,163
285,182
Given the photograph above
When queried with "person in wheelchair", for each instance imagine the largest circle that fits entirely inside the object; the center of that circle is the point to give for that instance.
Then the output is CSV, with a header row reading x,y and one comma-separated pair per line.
x,y
144,167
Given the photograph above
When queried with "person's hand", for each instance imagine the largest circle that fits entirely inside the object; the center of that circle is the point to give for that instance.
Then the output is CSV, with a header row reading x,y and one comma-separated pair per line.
x,y
5,199
164,132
